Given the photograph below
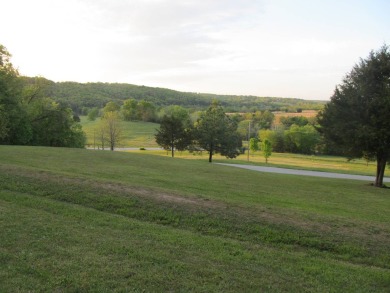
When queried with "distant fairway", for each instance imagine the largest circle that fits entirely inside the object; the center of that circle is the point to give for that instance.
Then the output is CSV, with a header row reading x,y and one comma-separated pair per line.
x,y
81,220
135,134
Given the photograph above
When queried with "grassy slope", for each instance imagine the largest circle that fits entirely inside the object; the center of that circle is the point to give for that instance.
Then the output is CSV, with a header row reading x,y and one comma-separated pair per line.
x,y
102,221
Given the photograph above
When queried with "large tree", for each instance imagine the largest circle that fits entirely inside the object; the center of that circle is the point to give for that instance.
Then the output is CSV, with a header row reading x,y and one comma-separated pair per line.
x,y
216,132
174,133
14,127
358,116
28,117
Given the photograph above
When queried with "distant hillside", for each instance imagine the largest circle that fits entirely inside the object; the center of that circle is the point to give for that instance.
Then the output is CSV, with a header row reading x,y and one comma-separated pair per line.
x,y
88,95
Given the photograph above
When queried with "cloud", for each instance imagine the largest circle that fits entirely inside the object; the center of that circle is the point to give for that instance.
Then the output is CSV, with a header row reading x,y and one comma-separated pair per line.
x,y
157,34
260,47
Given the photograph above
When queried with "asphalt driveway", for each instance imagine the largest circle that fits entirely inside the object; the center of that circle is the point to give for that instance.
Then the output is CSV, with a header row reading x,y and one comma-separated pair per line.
x,y
305,172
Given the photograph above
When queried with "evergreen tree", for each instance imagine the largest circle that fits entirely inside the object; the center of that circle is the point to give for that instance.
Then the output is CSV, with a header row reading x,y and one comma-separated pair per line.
x,y
173,134
216,132
357,117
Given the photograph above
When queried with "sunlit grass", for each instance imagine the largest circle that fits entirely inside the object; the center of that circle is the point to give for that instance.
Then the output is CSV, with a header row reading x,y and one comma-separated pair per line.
x,y
135,134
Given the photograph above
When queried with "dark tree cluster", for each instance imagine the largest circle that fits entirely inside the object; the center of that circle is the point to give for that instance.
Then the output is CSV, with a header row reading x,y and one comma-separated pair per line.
x,y
214,131
28,117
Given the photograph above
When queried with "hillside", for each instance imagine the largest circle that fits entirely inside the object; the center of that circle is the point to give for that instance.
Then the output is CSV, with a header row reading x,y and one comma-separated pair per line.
x,y
79,220
81,95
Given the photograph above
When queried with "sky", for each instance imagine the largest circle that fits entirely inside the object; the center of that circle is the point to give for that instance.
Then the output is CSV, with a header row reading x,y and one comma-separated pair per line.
x,y
279,48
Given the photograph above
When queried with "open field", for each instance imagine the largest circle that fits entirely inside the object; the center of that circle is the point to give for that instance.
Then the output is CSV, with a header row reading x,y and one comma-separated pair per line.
x,y
82,220
304,113
135,134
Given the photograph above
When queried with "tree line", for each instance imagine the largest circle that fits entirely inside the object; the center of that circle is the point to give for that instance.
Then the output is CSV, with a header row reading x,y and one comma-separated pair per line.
x,y
82,97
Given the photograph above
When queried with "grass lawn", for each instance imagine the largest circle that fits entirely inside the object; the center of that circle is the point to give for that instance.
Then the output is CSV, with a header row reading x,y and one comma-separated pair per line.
x,y
135,134
83,220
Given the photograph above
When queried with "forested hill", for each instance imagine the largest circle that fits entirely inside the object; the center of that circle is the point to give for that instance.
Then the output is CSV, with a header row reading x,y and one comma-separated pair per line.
x,y
88,95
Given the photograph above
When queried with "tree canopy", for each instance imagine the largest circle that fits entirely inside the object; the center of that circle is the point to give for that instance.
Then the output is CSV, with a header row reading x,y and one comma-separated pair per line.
x,y
358,116
28,116
174,133
83,96
216,132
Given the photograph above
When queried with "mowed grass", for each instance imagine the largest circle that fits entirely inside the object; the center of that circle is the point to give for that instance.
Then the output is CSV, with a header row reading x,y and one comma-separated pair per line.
x,y
134,134
84,220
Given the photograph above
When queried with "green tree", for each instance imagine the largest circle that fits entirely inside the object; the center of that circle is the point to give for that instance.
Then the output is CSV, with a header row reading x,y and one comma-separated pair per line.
x,y
216,132
254,144
93,114
266,147
28,117
129,110
263,119
146,111
51,123
302,139
111,107
297,120
173,134
14,126
176,111
357,117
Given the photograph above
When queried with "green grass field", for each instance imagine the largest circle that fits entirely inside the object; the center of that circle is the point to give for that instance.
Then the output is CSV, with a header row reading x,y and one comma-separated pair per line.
x,y
135,134
81,220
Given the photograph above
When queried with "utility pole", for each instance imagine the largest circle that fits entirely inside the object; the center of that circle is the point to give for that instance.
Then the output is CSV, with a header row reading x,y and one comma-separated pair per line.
x,y
249,137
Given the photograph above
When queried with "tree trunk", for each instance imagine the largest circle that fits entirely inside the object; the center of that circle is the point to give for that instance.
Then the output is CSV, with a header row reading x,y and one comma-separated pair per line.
x,y
380,170
173,150
211,149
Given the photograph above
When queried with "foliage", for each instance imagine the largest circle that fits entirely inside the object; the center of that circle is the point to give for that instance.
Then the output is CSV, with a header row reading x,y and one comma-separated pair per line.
x,y
28,116
263,119
216,132
14,128
111,107
129,110
173,134
357,117
88,95
254,144
93,114
146,111
297,120
110,130
301,139
266,147
132,110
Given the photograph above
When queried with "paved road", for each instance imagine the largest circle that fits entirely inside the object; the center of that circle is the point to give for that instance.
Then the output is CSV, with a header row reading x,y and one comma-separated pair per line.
x,y
305,172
